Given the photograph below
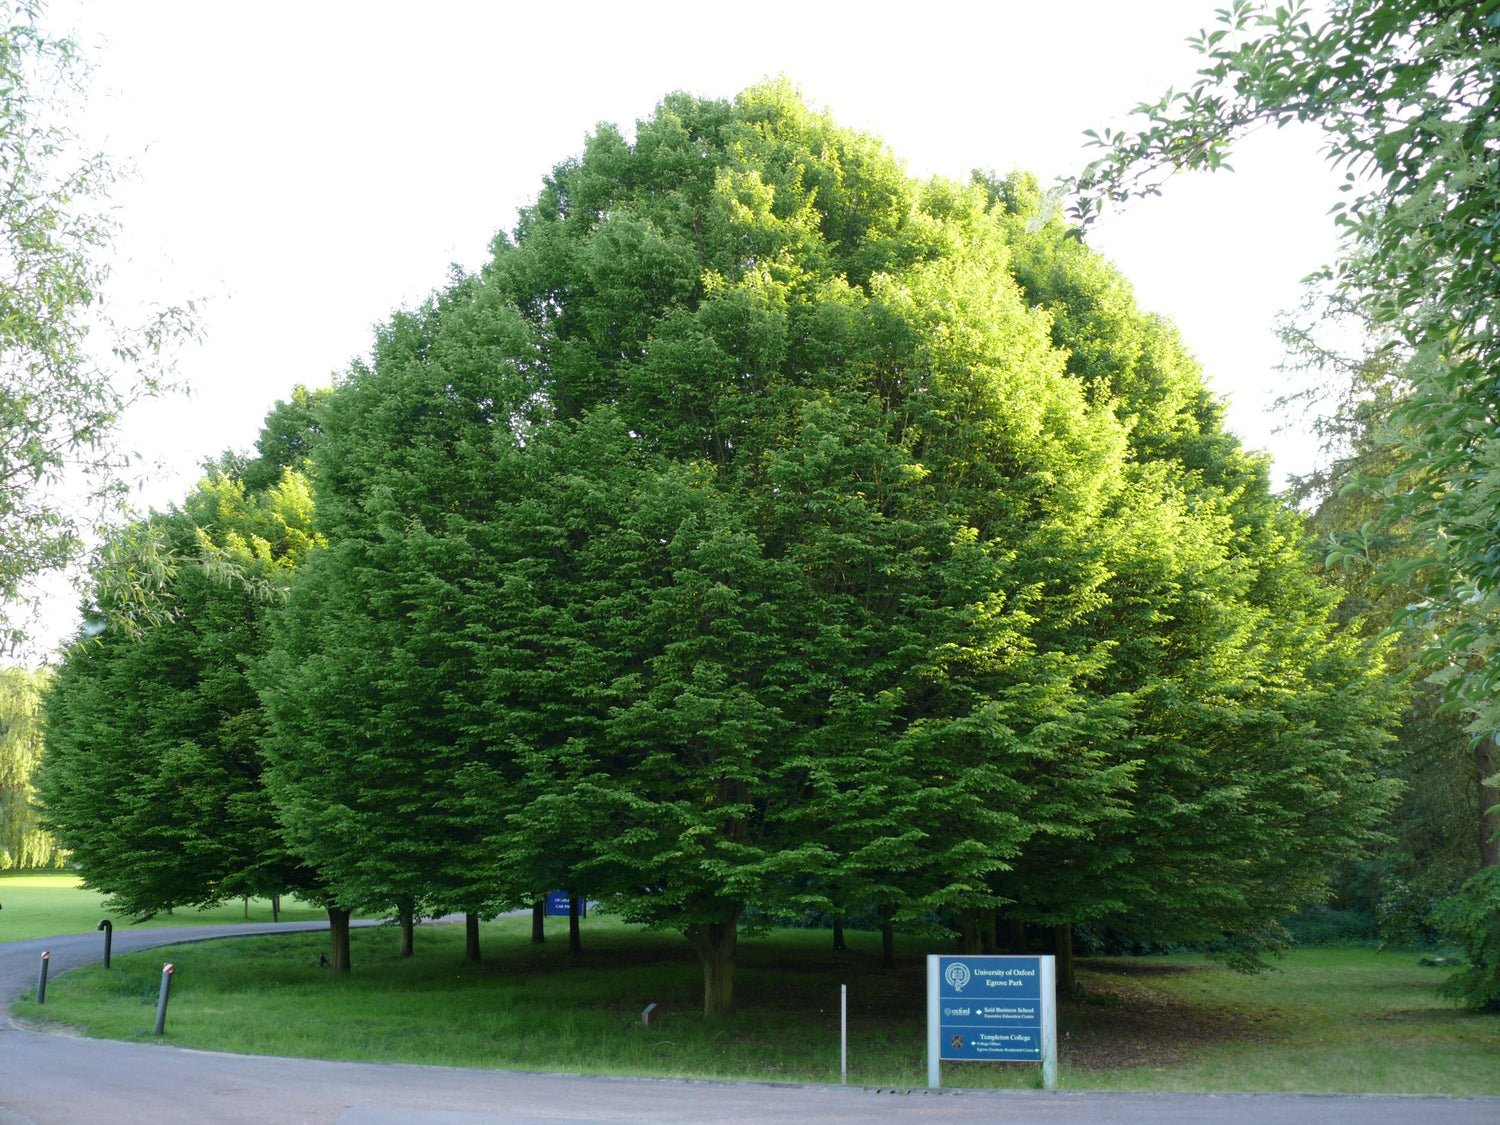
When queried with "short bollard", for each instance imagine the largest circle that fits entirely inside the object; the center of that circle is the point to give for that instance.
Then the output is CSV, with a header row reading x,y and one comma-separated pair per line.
x,y
161,1000
41,981
109,933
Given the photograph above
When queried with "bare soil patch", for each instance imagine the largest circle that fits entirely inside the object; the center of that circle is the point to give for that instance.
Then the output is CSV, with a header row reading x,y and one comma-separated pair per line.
x,y
1122,1022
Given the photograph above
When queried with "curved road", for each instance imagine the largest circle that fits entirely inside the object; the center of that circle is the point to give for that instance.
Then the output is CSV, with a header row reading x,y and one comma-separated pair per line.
x,y
57,1080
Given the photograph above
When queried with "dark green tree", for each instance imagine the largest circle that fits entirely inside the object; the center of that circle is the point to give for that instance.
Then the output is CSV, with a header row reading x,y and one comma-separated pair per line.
x,y
286,439
152,773
371,687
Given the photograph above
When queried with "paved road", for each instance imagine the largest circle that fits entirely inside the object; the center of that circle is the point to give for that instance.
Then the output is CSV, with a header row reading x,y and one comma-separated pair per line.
x,y
55,1080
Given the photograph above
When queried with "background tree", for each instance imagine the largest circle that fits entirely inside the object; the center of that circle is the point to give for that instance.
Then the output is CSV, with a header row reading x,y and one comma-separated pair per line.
x,y
1407,96
23,843
152,772
1218,630
67,368
286,439
1435,833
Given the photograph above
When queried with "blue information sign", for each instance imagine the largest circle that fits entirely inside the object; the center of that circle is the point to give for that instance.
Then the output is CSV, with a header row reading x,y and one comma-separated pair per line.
x,y
557,905
990,1008
999,1009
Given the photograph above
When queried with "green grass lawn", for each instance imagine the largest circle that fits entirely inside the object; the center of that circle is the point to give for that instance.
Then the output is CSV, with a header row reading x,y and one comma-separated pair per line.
x,y
41,905
1339,1020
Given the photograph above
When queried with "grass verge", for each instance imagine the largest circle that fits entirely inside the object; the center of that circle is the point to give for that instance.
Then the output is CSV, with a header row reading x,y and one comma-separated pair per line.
x,y
36,905
1330,1020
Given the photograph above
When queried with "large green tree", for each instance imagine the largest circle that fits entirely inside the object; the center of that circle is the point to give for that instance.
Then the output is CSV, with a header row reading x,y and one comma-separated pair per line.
x,y
742,538
371,687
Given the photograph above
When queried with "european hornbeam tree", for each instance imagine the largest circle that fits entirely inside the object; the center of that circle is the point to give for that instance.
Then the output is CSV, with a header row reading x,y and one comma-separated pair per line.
x,y
152,775
371,687
744,536
828,670
1217,630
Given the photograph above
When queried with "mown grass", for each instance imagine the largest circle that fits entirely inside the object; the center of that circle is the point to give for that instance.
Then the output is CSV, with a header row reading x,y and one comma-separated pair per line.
x,y
36,905
1334,1020
1340,1020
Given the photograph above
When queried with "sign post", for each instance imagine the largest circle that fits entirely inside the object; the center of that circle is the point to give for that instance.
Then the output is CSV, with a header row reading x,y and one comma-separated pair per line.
x,y
1000,1009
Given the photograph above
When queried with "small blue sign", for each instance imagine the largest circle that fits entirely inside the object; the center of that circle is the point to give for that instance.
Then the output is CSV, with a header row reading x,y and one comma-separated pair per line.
x,y
557,905
990,1008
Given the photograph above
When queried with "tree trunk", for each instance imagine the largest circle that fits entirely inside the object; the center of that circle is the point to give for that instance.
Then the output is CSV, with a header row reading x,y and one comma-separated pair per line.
x,y
276,908
887,938
338,939
838,933
575,939
539,921
471,937
968,935
247,909
1067,980
408,924
1015,935
1487,756
715,943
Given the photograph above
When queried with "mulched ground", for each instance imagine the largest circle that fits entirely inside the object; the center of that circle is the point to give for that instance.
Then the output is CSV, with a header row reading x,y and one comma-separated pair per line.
x,y
1124,1022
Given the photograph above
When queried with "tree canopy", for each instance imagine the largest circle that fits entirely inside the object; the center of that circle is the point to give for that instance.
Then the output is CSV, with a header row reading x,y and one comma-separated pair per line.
x,y
763,530
152,772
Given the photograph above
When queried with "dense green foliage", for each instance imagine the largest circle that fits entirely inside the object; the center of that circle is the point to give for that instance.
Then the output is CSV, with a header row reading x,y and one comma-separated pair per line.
x,y
151,777
1435,834
1407,96
764,527
1217,631
760,531
23,843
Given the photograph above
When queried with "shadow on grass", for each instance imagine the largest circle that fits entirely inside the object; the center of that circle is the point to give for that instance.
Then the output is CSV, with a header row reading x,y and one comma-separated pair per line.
x,y
1136,967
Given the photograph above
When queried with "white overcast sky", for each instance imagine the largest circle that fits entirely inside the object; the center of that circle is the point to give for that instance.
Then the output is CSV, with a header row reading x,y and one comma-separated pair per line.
x,y
305,168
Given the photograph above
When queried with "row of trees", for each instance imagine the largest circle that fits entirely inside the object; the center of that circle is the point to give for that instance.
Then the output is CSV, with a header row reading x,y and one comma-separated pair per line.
x,y
760,531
